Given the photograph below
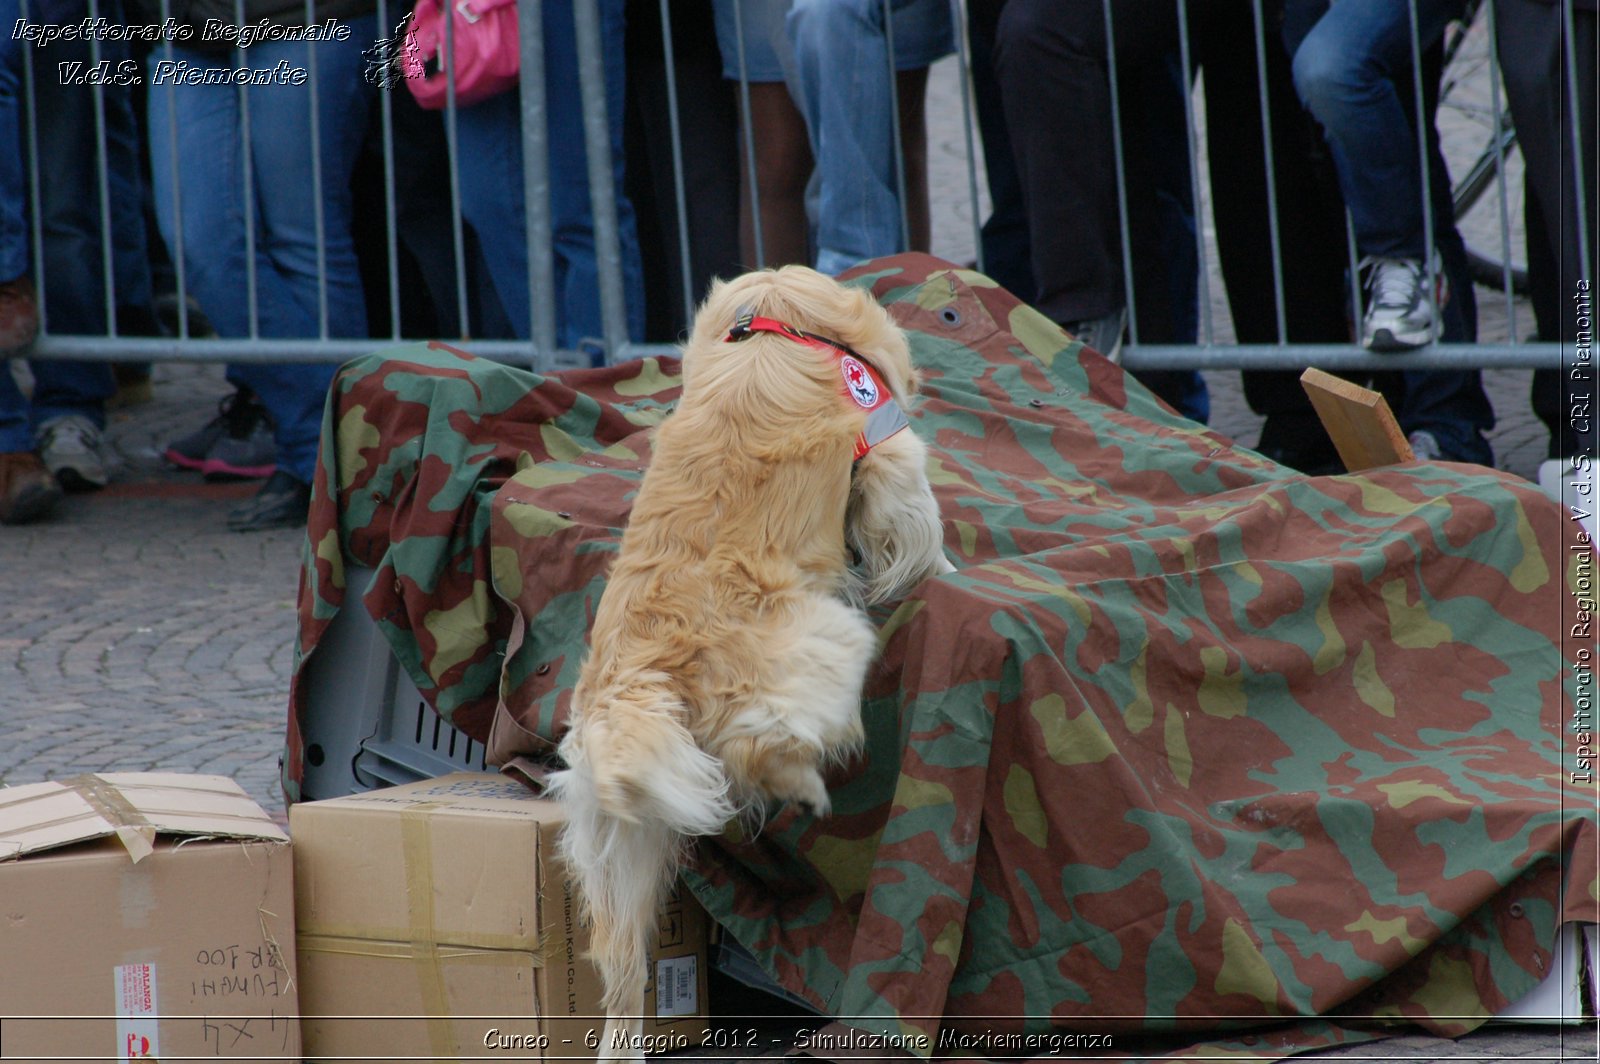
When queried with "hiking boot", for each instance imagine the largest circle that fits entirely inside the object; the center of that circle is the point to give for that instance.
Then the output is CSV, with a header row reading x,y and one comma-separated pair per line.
x,y
237,444
282,502
27,490
70,448
19,316
1399,314
1103,334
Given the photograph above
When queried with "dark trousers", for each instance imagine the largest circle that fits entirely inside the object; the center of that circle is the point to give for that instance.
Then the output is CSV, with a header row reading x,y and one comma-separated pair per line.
x,y
1534,69
1052,65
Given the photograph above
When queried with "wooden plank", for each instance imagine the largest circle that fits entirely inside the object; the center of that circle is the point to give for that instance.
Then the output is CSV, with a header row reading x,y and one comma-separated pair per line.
x,y
1358,420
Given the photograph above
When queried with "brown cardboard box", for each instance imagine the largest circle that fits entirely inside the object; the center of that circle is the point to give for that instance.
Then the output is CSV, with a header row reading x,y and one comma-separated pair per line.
x,y
435,921
144,915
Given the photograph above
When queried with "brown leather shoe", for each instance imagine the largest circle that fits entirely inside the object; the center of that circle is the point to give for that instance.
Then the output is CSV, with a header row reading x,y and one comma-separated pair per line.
x,y
27,490
19,316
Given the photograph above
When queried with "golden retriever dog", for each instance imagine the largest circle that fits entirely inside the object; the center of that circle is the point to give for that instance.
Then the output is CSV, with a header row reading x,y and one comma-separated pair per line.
x,y
729,647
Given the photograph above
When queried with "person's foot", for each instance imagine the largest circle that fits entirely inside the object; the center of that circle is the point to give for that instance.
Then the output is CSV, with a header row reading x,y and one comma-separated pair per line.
x,y
282,502
70,448
19,316
237,444
1104,334
27,490
1400,315
1425,446
168,316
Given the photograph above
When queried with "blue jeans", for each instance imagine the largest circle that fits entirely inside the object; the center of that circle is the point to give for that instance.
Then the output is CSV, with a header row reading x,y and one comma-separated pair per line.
x,y
489,135
1346,69
71,276
13,187
210,179
841,51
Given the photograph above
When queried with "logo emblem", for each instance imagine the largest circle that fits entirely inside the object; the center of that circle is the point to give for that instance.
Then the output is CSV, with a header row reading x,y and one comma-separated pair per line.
x,y
858,381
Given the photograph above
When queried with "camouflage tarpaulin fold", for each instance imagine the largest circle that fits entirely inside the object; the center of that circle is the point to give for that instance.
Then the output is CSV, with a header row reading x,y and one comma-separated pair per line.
x,y
1188,743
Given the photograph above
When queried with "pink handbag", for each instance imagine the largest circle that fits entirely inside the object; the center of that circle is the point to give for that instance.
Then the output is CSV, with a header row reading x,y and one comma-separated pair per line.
x,y
487,52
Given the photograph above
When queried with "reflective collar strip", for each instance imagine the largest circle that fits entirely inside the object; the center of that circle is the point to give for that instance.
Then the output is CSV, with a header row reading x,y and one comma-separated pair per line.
x,y
860,382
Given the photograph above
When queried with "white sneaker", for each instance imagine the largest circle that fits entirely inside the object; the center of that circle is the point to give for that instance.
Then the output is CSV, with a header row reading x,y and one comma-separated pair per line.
x,y
1572,483
1399,313
70,447
1104,334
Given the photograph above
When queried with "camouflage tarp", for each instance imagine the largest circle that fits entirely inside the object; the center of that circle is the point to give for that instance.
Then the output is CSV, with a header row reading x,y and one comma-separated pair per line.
x,y
1188,743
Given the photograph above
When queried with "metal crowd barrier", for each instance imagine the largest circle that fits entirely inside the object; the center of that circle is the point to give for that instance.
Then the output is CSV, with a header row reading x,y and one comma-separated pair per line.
x,y
542,350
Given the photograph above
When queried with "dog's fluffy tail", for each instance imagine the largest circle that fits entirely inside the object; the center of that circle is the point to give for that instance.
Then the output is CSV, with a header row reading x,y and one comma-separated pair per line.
x,y
632,795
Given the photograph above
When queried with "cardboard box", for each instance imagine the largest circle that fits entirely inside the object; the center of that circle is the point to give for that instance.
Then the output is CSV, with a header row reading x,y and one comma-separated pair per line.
x,y
144,915
435,921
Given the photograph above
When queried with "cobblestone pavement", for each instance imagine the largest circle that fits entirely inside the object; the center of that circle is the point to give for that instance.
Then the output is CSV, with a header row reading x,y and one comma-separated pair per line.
x,y
138,633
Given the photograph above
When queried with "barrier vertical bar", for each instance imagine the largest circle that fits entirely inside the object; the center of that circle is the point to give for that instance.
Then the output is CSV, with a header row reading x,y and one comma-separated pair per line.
x,y
180,265
1122,184
1272,174
247,179
536,182
1194,171
1498,140
747,129
894,128
1424,170
964,61
1356,309
602,189
680,200
1581,204
318,215
458,242
40,281
390,210
102,157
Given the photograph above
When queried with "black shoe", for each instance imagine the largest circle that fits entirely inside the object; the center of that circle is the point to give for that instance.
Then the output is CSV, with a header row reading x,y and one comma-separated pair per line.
x,y
237,444
282,502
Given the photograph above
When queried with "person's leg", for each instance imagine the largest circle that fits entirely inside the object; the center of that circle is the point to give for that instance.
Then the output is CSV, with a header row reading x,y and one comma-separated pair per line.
x,y
572,220
1444,410
19,314
912,93
489,168
708,116
1053,70
197,191
27,490
13,187
198,186
1530,36
1353,70
68,406
1310,227
1345,71
16,434
783,166
316,285
842,52
1006,254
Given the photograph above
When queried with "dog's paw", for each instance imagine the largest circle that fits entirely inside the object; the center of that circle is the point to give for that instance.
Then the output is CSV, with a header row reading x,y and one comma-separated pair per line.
x,y
802,786
817,807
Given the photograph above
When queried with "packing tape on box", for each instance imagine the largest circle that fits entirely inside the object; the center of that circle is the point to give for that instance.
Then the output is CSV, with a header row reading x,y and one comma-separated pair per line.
x,y
416,841
134,830
337,945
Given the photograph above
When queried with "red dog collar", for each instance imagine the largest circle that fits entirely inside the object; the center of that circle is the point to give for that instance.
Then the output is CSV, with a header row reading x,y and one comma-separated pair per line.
x,y
861,383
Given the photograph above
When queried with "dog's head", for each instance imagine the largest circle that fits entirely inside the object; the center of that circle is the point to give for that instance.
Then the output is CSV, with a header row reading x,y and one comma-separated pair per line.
x,y
806,300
